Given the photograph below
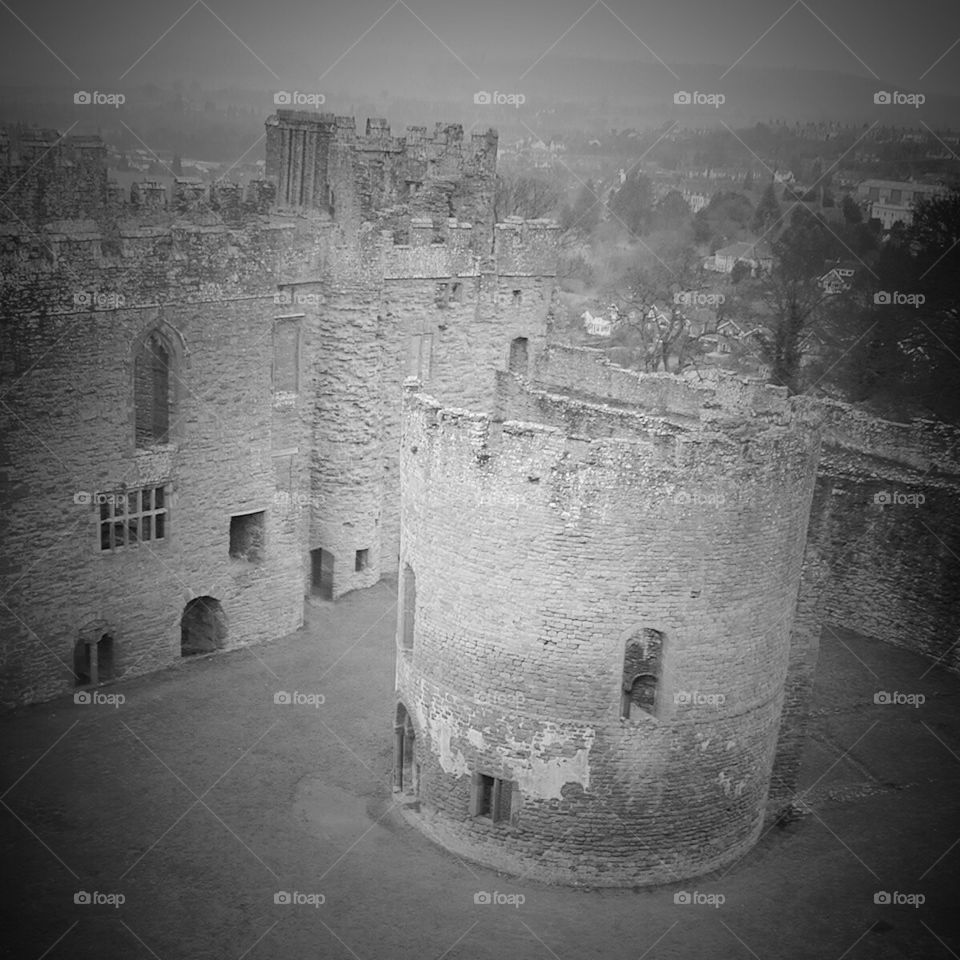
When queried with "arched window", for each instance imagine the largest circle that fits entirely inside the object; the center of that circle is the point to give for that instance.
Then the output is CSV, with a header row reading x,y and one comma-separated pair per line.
x,y
642,662
153,391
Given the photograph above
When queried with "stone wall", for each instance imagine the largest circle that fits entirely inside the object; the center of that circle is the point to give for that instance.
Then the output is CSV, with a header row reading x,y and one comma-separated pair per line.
x,y
886,520
536,554
216,270
586,372
69,436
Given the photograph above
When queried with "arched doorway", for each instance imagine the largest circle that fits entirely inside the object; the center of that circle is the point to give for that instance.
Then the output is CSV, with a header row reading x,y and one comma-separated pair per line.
x,y
203,627
405,769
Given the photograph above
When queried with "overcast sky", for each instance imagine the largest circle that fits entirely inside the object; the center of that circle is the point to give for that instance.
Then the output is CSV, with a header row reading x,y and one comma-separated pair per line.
x,y
401,45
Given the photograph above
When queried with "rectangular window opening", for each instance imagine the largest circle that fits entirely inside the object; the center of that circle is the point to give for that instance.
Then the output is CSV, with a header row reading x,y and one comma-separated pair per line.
x,y
362,560
490,797
247,537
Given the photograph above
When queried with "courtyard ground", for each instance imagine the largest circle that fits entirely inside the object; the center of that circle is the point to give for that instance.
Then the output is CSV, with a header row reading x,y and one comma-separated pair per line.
x,y
200,798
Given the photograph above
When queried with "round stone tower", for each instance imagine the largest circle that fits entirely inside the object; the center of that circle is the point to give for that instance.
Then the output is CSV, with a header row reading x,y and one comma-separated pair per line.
x,y
596,607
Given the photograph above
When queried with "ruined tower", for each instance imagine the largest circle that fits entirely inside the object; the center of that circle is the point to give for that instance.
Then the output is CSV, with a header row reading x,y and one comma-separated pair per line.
x,y
597,605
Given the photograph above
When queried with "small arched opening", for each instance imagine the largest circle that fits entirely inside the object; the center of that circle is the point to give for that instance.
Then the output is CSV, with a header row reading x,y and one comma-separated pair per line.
x,y
93,656
642,664
203,627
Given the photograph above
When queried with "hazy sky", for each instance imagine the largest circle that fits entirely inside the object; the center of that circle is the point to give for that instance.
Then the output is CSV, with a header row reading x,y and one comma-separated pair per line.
x,y
402,45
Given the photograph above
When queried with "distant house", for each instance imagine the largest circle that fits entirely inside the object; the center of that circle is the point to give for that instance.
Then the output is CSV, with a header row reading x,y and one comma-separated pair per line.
x,y
838,278
596,326
756,255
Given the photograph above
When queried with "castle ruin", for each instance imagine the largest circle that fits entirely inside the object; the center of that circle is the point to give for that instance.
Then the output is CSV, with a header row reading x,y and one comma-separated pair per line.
x,y
611,585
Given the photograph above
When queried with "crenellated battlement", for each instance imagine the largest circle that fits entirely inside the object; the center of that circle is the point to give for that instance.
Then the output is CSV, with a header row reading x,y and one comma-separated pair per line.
x,y
315,162
377,133
319,161
550,431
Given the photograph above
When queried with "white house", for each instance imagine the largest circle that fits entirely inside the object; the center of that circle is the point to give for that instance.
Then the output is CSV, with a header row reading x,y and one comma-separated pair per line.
x,y
754,254
892,201
596,326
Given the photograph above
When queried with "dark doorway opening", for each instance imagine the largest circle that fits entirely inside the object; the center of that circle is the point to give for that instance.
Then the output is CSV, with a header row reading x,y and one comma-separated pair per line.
x,y
518,356
321,574
93,662
203,627
405,769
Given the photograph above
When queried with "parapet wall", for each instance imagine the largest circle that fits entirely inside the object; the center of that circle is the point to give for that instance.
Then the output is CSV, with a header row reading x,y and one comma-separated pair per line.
x,y
583,371
44,176
536,554
74,267
925,446
886,520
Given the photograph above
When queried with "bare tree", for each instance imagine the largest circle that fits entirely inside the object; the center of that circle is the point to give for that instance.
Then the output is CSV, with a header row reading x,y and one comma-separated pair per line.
x,y
657,290
525,195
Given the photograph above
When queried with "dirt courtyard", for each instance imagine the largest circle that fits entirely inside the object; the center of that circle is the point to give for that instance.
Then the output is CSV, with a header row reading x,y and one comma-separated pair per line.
x,y
183,814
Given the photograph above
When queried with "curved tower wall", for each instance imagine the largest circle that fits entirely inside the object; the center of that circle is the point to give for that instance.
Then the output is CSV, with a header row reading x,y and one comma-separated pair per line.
x,y
536,557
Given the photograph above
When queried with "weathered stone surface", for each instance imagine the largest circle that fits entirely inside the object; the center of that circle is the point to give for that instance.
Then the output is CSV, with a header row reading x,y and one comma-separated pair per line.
x,y
538,549
87,275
